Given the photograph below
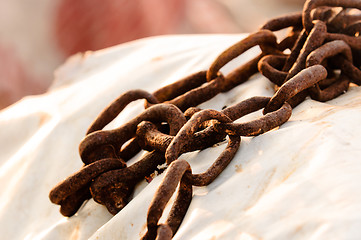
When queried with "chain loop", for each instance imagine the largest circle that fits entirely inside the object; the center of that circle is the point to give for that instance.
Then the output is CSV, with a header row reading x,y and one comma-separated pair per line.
x,y
113,188
261,125
312,4
269,67
115,107
118,136
262,37
186,132
303,80
173,176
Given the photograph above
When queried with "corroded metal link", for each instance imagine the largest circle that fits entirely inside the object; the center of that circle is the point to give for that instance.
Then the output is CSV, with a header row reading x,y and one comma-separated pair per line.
x,y
199,95
173,177
129,149
187,131
101,152
115,107
295,51
72,192
331,79
245,107
199,141
290,40
327,50
150,138
164,232
181,204
332,91
70,205
262,37
298,98
83,177
343,19
323,13
352,41
353,29
114,187
348,69
180,87
312,4
269,67
241,74
207,177
108,114
313,41
118,136
191,111
220,84
279,23
263,124
303,80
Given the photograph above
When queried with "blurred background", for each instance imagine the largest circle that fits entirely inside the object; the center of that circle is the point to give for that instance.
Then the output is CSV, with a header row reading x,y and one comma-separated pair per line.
x,y
37,36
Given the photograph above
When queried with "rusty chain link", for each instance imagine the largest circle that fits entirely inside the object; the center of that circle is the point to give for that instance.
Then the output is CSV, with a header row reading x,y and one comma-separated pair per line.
x,y
324,58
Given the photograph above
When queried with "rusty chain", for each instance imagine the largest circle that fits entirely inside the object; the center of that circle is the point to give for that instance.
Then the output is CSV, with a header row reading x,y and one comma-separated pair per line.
x,y
324,58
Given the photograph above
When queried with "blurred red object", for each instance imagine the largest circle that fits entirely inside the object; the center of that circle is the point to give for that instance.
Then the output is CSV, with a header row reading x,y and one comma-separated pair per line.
x,y
15,81
91,24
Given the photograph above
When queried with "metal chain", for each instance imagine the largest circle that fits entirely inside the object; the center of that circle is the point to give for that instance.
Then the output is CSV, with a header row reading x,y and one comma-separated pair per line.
x,y
324,59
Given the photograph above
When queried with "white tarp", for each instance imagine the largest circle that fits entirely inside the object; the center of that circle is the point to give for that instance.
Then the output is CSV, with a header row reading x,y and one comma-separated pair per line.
x,y
298,182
